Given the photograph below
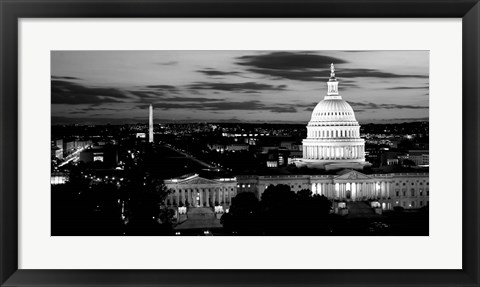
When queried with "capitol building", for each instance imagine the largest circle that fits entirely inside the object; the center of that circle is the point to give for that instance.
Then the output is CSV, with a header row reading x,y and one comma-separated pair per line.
x,y
333,134
335,152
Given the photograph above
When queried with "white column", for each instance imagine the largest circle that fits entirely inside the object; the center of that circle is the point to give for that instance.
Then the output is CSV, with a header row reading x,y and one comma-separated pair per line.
x,y
207,197
177,193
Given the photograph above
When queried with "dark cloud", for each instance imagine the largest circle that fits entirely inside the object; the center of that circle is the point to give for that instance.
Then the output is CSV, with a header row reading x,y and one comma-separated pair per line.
x,y
147,95
195,99
213,72
343,75
371,73
247,87
285,109
56,120
213,105
368,105
288,61
305,66
299,75
170,63
64,78
66,92
94,108
167,88
409,88
154,92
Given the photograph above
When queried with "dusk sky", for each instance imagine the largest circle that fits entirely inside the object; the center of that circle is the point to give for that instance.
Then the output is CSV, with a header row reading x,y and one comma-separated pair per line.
x,y
99,87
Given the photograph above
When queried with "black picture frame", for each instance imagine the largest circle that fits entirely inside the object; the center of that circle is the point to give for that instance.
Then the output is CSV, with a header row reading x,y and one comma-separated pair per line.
x,y
11,11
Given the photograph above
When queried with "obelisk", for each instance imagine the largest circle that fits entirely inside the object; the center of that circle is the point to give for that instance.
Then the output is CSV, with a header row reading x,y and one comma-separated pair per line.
x,y
150,124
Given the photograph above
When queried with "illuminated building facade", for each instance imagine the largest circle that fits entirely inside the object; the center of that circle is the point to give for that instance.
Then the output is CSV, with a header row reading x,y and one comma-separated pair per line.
x,y
196,191
408,190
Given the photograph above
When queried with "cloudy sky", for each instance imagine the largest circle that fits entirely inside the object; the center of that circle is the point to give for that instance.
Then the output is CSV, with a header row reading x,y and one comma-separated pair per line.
x,y
255,86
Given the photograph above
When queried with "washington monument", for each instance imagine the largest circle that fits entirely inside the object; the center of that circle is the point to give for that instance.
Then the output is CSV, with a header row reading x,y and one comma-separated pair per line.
x,y
150,124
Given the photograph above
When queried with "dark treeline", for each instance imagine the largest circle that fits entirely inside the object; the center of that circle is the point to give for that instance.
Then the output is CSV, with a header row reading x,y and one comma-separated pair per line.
x,y
280,211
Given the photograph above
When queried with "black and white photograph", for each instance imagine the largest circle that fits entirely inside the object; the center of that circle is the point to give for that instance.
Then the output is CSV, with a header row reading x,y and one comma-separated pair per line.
x,y
239,143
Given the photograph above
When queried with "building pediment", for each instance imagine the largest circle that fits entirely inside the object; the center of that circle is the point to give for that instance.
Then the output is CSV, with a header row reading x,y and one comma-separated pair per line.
x,y
195,180
352,175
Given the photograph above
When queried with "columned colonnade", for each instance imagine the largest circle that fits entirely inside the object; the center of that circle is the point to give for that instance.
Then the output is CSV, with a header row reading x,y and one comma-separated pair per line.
x,y
200,196
353,190
334,152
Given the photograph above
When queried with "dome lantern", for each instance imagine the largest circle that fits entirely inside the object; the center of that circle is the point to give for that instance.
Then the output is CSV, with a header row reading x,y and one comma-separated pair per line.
x,y
332,84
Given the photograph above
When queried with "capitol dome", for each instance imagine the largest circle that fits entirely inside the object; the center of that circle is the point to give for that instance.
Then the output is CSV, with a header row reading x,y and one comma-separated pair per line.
x,y
333,134
332,111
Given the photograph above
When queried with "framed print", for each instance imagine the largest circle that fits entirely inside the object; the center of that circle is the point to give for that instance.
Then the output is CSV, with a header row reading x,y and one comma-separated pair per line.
x,y
267,143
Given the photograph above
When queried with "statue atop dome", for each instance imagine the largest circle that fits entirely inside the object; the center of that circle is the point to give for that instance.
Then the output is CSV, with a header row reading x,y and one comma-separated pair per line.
x,y
332,84
332,72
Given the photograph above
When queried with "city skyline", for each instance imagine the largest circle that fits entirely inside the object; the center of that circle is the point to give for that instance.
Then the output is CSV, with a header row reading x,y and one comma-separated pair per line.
x,y
100,87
